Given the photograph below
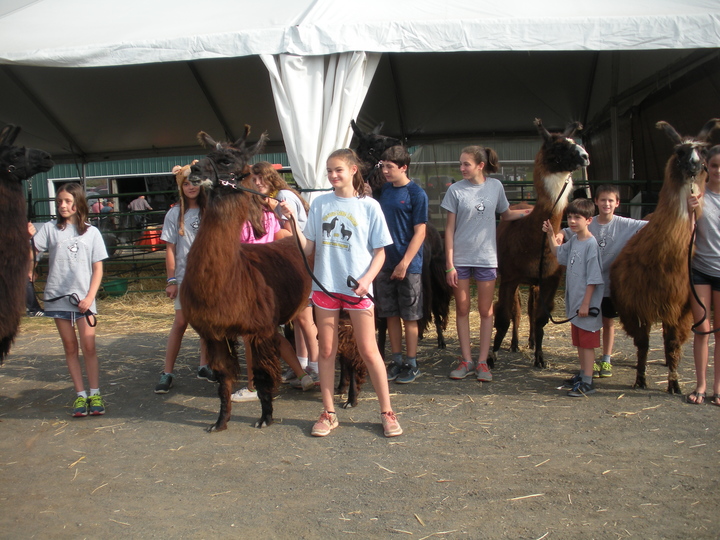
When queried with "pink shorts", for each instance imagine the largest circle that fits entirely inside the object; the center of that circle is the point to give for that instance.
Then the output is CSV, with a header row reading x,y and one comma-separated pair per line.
x,y
584,338
342,301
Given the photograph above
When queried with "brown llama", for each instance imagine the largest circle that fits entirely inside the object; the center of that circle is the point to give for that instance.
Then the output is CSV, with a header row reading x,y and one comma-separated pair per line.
x,y
353,372
521,242
650,275
436,291
233,289
16,164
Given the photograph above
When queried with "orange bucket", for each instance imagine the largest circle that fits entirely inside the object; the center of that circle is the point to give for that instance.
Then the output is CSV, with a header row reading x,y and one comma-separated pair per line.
x,y
151,237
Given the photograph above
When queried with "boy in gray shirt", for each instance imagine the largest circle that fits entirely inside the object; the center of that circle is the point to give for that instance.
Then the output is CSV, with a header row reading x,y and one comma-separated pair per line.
x,y
584,287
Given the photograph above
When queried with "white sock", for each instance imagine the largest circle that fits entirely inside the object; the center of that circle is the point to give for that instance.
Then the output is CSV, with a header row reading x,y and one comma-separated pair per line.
x,y
313,366
303,361
94,391
82,394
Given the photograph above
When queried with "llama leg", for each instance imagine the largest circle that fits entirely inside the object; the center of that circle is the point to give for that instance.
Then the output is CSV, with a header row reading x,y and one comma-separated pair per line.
x,y
352,387
642,342
381,323
543,307
266,372
503,308
515,317
222,359
533,299
673,353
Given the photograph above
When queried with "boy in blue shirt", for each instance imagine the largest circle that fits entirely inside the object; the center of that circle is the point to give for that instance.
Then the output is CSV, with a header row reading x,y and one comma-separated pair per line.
x,y
399,296
584,287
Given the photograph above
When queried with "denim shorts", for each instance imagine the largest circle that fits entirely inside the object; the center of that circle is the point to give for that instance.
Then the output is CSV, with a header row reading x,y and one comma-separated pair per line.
x,y
71,316
478,273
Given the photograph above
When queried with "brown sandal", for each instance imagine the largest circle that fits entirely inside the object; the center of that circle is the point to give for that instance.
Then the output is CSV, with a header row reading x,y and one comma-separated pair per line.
x,y
695,398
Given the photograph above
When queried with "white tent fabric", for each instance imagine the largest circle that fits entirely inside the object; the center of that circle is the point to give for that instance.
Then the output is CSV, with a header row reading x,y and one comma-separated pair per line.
x,y
87,33
316,97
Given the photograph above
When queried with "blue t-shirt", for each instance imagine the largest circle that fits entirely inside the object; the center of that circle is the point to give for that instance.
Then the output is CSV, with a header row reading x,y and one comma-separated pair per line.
x,y
404,207
346,231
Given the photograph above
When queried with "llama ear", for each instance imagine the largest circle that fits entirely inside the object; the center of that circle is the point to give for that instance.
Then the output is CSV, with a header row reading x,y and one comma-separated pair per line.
x,y
572,128
260,144
669,131
356,129
708,128
205,140
544,133
8,134
377,129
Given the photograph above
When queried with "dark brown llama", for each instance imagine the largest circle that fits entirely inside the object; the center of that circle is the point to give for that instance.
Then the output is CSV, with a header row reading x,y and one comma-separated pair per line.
x,y
16,164
649,277
353,372
436,291
233,289
521,242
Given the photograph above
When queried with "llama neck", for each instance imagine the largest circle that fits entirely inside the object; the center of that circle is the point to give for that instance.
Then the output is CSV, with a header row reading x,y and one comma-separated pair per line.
x,y
553,191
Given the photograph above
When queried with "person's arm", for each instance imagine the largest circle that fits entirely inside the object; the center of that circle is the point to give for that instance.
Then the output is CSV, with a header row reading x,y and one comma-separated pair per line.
x,y
584,310
552,238
512,215
450,272
367,278
95,279
171,290
414,246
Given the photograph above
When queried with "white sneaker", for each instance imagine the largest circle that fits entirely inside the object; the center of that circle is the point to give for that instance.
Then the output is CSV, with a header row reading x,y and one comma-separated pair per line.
x,y
287,376
244,395
301,383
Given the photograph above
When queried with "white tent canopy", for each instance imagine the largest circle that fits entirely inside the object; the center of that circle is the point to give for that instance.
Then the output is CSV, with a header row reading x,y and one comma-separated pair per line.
x,y
96,79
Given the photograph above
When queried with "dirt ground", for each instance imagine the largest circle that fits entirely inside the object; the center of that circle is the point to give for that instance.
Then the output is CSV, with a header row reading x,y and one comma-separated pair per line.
x,y
515,458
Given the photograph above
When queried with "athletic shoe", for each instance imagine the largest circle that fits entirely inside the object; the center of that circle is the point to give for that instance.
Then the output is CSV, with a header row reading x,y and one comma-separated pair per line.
x,y
96,405
463,370
80,407
325,424
391,427
165,384
207,374
244,395
408,374
582,389
596,370
482,372
287,376
572,381
605,369
393,370
301,383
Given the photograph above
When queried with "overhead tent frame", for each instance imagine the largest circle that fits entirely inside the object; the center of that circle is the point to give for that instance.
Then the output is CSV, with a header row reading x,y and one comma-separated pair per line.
x,y
321,54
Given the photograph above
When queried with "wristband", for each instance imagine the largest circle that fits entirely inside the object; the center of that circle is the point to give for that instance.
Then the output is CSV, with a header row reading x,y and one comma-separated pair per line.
x,y
449,270
171,281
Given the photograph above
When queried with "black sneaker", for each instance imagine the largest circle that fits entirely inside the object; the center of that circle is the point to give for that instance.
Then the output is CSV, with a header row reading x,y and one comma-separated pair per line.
x,y
165,384
572,381
206,374
582,389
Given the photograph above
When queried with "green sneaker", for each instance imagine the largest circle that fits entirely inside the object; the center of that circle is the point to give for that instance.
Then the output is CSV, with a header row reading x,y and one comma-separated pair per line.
x,y
80,407
596,370
96,405
605,369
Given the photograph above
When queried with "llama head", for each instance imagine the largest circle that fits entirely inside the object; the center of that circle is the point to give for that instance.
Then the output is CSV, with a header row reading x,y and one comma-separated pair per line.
x,y
559,152
226,164
371,145
688,160
20,163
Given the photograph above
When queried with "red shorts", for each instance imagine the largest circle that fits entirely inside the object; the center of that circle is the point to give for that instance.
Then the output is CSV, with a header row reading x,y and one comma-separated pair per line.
x,y
584,338
341,301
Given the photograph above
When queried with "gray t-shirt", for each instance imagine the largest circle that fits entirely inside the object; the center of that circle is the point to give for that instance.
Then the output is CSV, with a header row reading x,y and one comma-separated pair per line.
x,y
582,261
297,206
707,242
611,238
71,260
171,235
475,207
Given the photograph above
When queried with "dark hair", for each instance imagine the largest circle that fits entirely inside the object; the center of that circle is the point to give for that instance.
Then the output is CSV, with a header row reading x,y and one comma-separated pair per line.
x,y
270,176
351,158
483,154
581,207
398,155
81,207
607,188
714,151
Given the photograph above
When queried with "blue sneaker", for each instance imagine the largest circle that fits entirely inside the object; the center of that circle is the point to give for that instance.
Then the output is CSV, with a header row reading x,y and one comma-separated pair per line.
x,y
407,374
582,389
393,370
